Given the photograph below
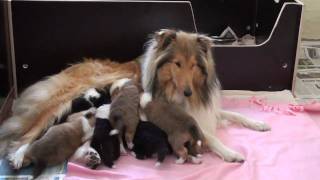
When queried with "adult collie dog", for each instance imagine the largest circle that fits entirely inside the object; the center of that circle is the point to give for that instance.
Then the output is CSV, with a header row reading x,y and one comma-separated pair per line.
x,y
177,67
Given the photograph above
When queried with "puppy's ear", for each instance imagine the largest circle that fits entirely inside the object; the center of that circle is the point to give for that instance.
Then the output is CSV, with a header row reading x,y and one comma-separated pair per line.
x,y
205,43
164,38
89,115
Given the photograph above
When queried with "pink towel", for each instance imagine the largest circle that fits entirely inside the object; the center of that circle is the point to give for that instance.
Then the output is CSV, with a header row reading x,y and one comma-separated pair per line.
x,y
291,150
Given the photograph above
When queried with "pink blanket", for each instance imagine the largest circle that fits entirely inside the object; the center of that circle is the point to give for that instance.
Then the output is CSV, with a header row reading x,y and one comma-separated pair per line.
x,y
291,150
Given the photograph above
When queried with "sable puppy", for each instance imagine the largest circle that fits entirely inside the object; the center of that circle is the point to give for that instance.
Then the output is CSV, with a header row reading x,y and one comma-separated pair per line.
x,y
60,141
148,140
107,146
180,127
124,109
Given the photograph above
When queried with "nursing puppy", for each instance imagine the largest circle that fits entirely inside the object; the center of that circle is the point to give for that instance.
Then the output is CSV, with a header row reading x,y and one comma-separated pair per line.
x,y
60,141
148,140
124,109
92,97
107,146
180,127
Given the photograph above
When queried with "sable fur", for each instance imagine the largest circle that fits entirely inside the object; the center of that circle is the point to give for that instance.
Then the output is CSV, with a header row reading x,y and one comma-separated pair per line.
x,y
180,127
124,109
60,141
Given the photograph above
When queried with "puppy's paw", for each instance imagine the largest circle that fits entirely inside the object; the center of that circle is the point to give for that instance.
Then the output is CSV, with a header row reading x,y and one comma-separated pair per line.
x,y
180,160
123,150
92,158
158,164
133,154
130,145
259,126
199,155
195,160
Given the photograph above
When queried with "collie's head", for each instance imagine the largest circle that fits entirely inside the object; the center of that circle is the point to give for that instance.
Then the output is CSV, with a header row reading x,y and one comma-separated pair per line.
x,y
178,66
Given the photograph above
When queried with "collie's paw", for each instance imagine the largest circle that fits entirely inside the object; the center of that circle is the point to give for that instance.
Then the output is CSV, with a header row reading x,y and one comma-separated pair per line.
x,y
260,126
233,156
92,158
16,158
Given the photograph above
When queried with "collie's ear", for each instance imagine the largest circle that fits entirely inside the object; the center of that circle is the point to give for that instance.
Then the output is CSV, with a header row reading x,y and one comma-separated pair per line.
x,y
164,38
205,43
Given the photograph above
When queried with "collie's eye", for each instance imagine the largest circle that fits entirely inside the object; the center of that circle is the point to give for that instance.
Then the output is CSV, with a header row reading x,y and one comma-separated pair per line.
x,y
178,64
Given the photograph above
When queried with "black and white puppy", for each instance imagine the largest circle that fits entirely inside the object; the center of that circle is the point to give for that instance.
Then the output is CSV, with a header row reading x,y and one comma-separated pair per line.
x,y
86,154
149,140
107,146
91,98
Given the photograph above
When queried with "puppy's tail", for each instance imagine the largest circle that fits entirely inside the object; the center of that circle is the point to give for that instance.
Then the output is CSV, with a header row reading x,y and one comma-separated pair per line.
x,y
196,134
145,98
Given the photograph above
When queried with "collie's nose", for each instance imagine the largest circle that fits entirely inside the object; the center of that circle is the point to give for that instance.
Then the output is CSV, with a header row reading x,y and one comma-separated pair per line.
x,y
187,92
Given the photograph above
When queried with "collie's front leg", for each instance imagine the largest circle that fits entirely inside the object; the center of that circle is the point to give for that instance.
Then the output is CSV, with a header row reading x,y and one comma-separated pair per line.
x,y
223,151
246,122
16,156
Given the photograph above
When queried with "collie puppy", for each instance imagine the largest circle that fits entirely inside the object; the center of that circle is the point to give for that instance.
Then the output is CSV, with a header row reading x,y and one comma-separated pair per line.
x,y
179,126
36,109
179,68
107,146
124,109
150,139
60,141
91,98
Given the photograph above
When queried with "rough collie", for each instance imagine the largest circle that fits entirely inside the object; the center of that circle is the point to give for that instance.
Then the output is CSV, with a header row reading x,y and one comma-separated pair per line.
x,y
177,66
180,68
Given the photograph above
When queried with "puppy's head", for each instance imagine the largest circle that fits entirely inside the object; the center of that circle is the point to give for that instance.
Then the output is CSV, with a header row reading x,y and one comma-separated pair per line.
x,y
87,117
179,66
90,116
92,95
